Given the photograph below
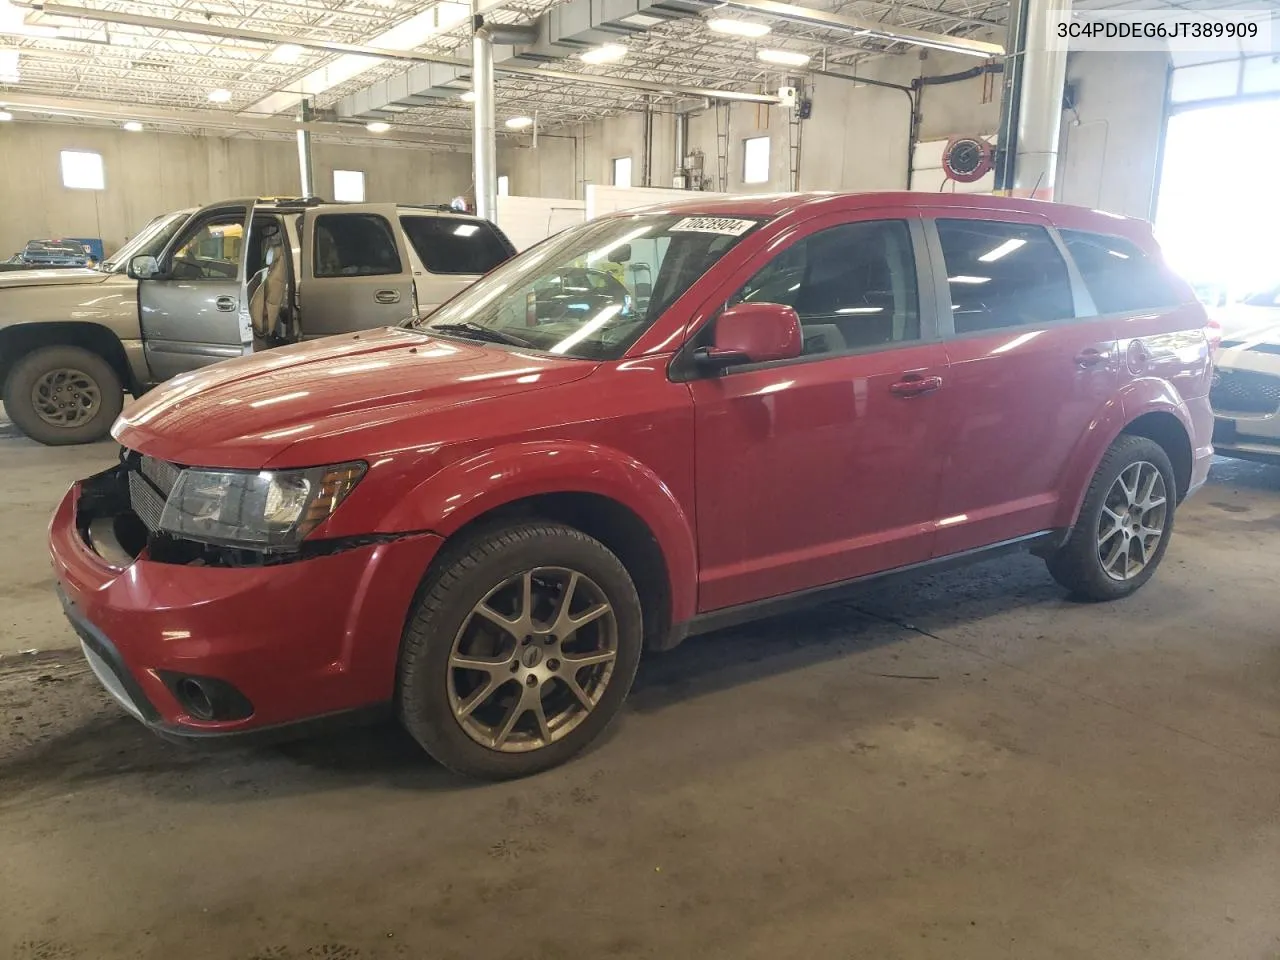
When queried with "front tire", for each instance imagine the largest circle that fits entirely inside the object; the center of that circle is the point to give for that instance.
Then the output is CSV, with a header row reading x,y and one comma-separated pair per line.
x,y
1124,525
520,650
63,395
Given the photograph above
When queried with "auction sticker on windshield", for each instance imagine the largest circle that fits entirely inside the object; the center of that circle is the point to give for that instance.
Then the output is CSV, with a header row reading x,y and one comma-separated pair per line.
x,y
722,225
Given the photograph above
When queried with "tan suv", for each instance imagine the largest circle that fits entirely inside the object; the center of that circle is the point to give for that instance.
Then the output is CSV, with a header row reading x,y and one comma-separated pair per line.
x,y
227,279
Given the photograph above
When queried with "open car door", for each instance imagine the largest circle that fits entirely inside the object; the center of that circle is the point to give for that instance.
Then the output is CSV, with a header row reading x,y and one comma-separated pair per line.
x,y
356,273
193,309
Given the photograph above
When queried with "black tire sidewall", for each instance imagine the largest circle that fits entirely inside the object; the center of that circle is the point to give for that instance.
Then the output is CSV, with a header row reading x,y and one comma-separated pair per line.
x,y
464,577
1077,566
28,369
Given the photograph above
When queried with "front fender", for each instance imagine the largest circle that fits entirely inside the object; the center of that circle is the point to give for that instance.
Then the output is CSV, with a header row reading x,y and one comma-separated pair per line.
x,y
469,488
1137,398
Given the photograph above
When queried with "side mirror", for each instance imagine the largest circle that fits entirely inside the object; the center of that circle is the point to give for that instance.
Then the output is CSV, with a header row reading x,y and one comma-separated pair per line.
x,y
753,333
143,267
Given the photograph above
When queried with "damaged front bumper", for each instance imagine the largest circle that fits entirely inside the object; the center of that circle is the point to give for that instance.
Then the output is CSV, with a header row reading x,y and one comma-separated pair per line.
x,y
197,646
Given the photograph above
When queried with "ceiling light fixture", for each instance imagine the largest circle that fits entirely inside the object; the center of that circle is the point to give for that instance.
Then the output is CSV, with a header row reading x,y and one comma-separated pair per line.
x,y
377,126
605,53
287,53
519,123
5,116
738,28
220,96
784,58
133,126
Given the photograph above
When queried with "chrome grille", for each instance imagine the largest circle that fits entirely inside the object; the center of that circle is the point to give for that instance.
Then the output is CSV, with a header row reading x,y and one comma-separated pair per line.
x,y
1244,391
163,475
146,502
150,483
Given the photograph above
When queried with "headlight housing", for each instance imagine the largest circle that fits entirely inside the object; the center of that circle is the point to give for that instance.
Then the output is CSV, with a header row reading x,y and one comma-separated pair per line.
x,y
259,509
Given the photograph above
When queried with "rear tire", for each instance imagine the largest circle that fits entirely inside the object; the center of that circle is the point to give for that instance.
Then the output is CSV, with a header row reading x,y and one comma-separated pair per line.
x,y
521,648
1124,525
63,395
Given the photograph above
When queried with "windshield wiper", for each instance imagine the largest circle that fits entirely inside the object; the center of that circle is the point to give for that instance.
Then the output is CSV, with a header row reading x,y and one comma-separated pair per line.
x,y
475,331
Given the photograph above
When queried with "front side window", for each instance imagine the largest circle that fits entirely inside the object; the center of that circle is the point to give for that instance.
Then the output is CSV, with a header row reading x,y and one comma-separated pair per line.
x,y
1003,275
212,251
591,291
354,245
455,245
853,286
150,242
1119,276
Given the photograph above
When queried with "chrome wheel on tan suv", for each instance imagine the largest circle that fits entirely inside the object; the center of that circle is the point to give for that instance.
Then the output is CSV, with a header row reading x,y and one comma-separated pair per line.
x,y
1124,524
520,651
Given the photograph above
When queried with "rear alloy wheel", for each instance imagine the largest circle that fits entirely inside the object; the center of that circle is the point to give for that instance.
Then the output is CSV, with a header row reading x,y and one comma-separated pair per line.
x,y
63,395
1124,524
520,651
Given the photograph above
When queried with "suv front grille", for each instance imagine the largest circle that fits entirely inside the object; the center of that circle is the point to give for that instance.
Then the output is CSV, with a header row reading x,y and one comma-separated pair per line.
x,y
1244,391
150,483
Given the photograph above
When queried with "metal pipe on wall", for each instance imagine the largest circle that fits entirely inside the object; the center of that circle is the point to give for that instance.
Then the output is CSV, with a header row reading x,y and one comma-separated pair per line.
x,y
680,174
1031,102
306,168
484,133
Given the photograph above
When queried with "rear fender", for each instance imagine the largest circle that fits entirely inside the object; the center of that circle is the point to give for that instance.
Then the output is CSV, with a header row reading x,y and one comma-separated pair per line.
x,y
1136,399
468,489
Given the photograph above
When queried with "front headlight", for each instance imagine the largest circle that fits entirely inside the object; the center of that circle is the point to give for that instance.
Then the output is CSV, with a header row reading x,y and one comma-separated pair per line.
x,y
256,509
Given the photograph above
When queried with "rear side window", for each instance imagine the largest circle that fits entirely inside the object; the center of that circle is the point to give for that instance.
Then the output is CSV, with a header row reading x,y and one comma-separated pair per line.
x,y
354,245
454,245
1120,277
853,286
1003,275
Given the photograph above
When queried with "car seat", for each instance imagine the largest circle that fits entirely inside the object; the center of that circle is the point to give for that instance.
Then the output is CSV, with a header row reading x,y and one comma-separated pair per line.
x,y
268,293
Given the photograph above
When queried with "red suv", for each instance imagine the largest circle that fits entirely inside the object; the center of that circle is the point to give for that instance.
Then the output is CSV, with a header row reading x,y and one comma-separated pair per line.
x,y
649,426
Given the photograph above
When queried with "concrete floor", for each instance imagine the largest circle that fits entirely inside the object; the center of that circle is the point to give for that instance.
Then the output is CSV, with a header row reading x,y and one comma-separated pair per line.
x,y
970,767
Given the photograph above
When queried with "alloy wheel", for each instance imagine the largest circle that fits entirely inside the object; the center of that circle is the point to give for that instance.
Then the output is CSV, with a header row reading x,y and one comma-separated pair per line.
x,y
1133,519
66,397
532,659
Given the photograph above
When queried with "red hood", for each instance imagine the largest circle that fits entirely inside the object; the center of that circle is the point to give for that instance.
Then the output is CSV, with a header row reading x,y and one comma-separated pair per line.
x,y
244,412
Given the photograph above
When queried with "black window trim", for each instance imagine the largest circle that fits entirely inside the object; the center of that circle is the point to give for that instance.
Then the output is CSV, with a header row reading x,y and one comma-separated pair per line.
x,y
392,227
1081,300
684,368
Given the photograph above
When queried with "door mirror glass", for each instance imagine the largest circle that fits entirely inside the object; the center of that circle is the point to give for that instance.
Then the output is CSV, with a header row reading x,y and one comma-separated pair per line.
x,y
143,267
754,333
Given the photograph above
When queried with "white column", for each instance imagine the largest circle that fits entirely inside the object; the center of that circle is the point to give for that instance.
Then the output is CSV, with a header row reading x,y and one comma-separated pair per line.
x,y
484,137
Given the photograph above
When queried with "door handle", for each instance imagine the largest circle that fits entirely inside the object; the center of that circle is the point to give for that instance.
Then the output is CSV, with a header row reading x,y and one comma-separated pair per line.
x,y
225,304
914,385
387,296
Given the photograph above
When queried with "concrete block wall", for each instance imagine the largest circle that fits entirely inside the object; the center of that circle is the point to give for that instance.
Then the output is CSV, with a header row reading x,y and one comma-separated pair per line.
x,y
856,138
150,173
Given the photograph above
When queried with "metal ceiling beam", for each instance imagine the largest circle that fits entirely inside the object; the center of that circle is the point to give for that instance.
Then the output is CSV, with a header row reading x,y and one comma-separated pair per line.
x,y
330,46
216,119
873,28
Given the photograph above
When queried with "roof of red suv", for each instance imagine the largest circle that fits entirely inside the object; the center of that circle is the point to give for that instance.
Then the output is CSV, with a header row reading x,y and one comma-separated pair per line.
x,y
776,204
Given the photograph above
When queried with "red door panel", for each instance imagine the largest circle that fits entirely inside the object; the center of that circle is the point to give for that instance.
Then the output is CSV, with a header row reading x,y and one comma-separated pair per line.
x,y
814,472
1018,403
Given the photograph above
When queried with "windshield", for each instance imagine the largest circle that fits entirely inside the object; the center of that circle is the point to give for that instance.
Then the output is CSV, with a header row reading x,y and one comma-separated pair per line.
x,y
593,290
1268,298
153,239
